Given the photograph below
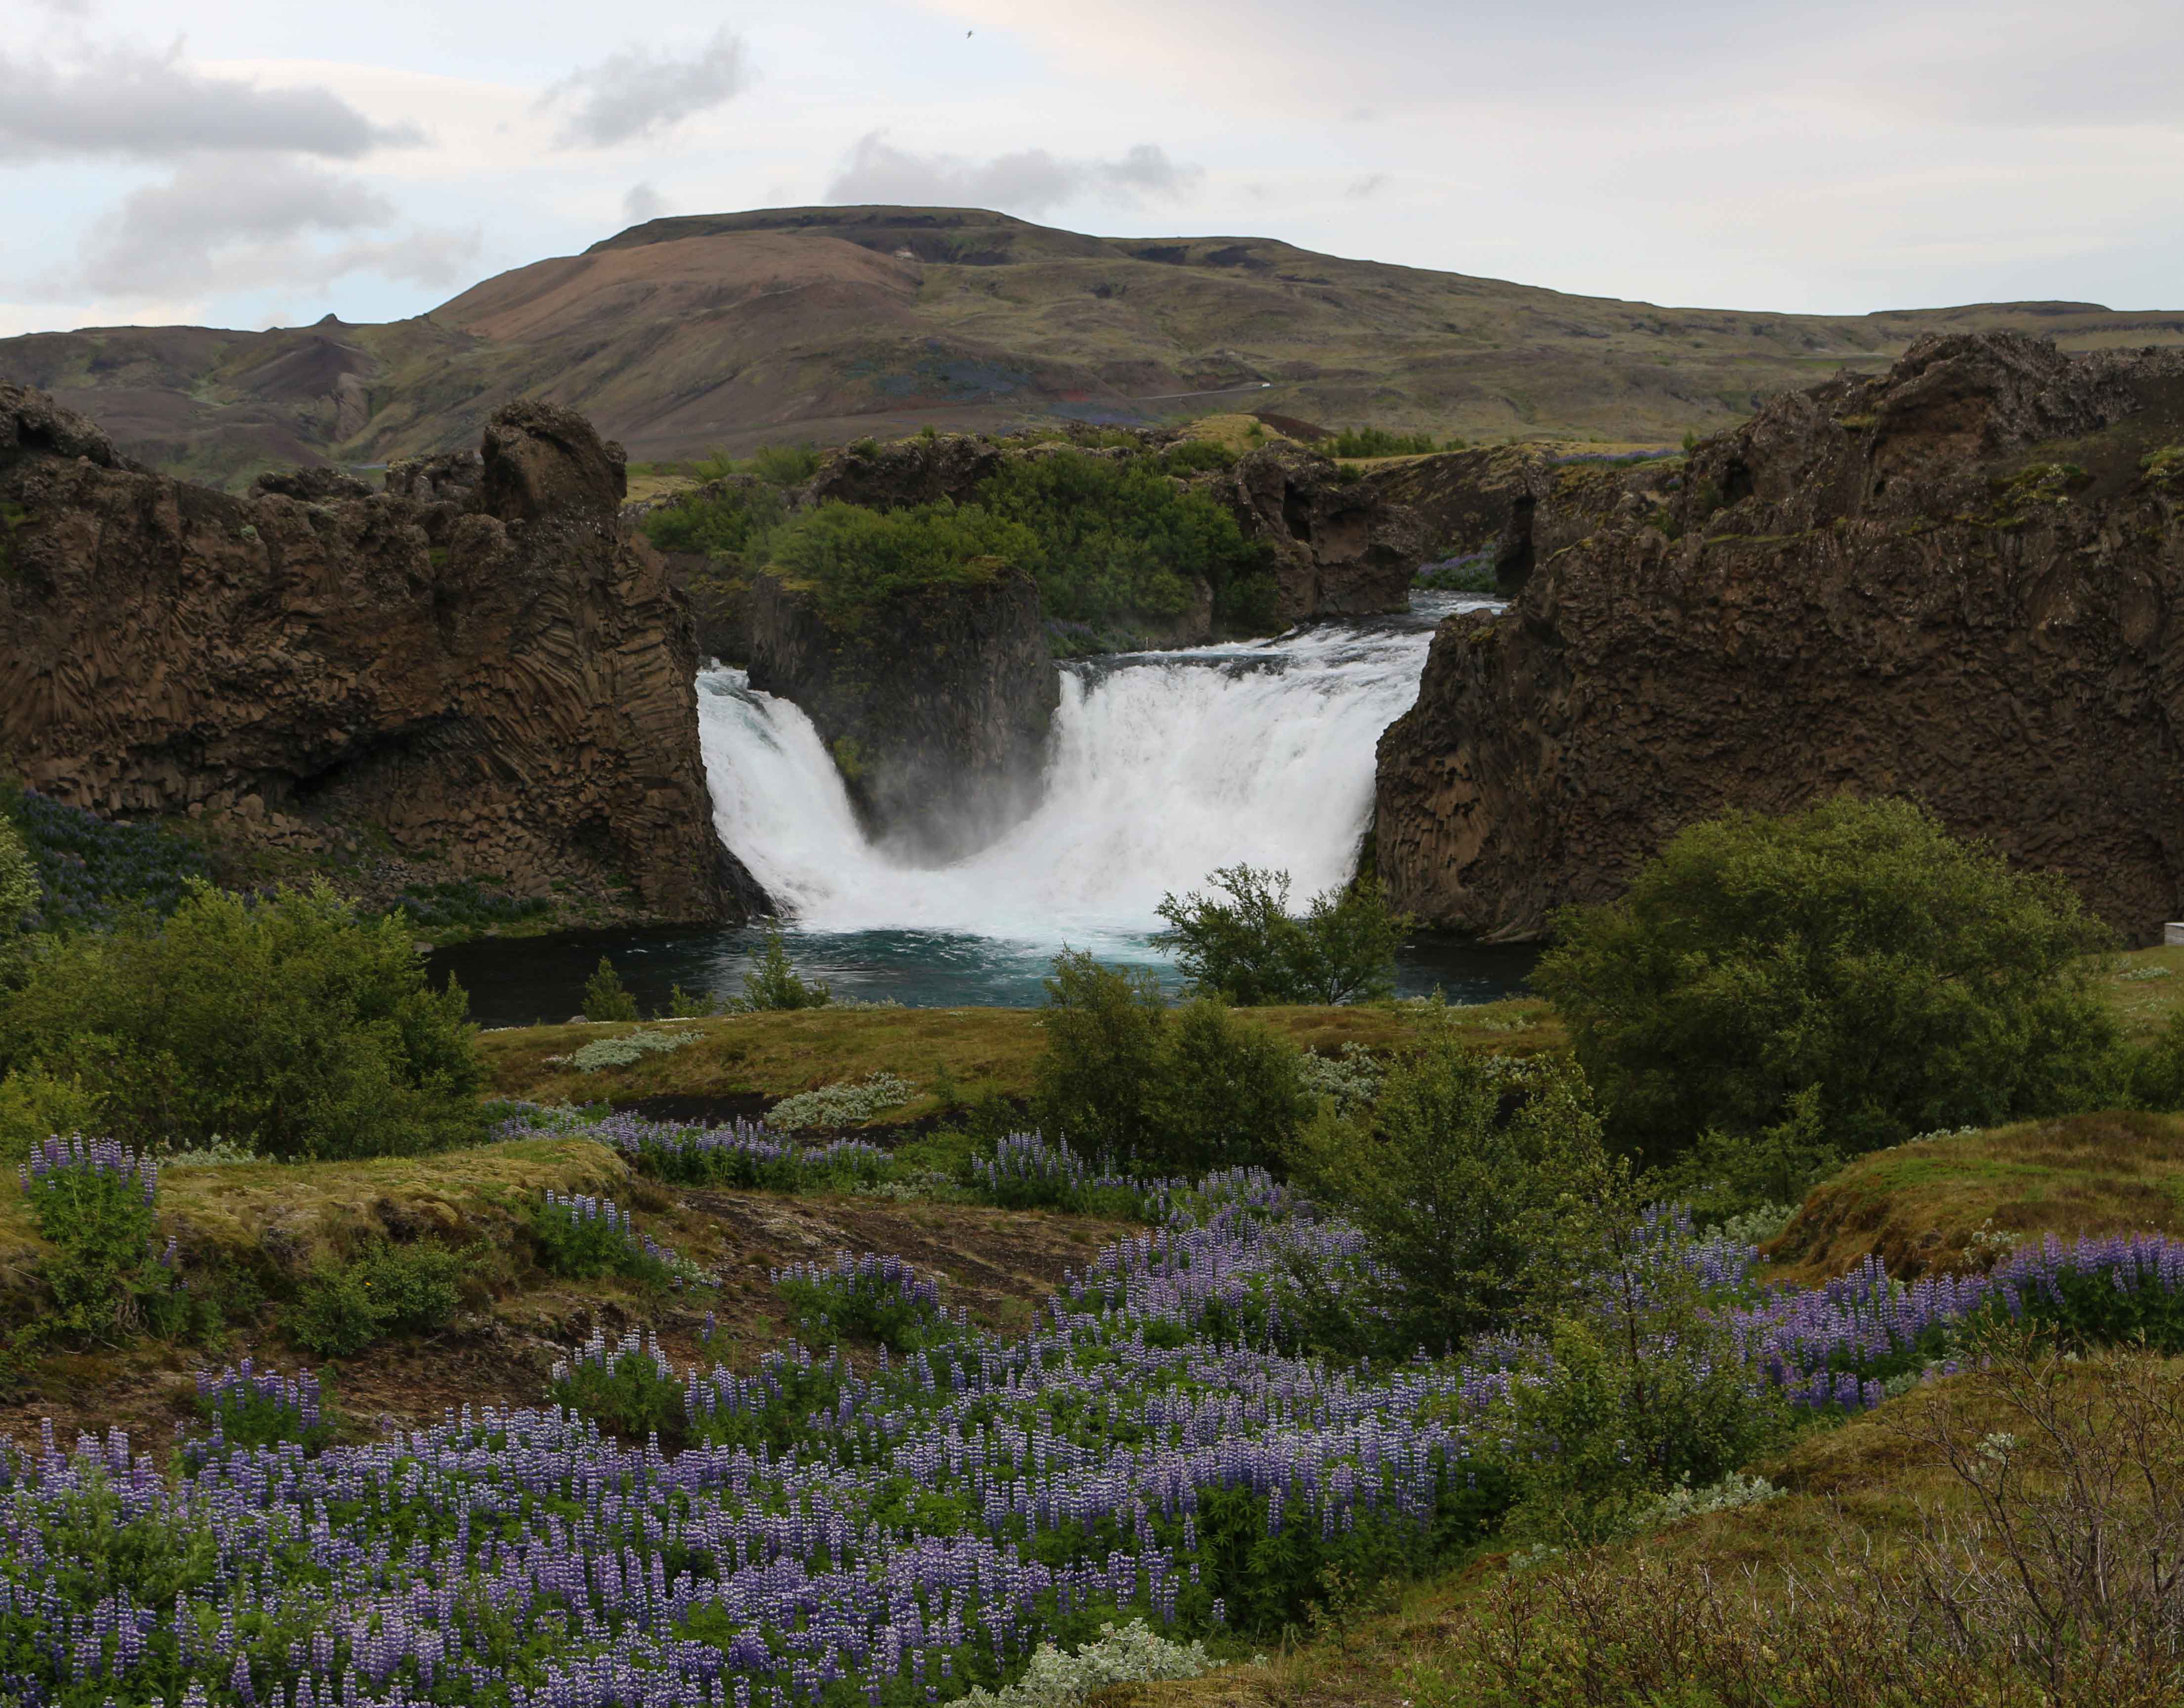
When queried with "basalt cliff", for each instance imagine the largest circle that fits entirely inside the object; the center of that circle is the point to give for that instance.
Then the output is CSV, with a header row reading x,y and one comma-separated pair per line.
x,y
475,672
1962,580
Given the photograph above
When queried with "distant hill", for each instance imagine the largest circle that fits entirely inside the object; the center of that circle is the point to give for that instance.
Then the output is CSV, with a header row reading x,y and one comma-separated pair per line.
x,y
832,323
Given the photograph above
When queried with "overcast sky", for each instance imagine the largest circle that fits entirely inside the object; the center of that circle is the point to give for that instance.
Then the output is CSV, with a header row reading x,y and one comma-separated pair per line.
x,y
259,162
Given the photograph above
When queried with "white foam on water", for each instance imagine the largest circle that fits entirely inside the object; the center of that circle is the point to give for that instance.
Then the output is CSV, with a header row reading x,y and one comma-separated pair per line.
x,y
1160,767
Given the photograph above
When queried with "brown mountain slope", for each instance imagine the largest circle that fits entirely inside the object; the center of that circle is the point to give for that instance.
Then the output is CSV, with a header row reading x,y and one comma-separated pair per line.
x,y
833,323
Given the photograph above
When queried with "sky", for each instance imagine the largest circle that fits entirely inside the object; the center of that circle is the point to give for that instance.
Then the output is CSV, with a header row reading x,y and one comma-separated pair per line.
x,y
264,163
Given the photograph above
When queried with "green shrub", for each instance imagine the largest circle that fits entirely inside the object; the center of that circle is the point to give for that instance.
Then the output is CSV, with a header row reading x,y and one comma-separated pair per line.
x,y
285,1023
785,465
19,898
1105,1028
585,1237
846,1102
1456,1173
881,1299
2157,1071
388,1289
1250,949
1379,442
1122,1077
773,985
854,557
34,1104
606,997
631,1388
627,1050
1911,978
1229,1092
1642,1389
1111,539
1196,457
729,522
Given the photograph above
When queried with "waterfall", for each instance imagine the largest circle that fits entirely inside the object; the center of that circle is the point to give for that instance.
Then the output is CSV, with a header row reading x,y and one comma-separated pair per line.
x,y
1160,767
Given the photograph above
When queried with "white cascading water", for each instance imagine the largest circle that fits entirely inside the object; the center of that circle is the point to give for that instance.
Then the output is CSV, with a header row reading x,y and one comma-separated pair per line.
x,y
1162,766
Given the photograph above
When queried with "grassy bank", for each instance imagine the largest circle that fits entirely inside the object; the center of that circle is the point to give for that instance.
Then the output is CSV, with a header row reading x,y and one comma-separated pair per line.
x,y
983,1051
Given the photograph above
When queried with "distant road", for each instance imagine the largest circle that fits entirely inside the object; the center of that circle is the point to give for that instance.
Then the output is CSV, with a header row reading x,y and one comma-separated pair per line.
x,y
1220,392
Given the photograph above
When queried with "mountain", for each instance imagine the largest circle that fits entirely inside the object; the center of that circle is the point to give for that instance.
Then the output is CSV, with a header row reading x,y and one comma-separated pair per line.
x,y
831,324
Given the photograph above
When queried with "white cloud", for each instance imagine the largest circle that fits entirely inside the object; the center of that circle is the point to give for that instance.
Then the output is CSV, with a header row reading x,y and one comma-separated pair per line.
x,y
1365,188
216,224
1029,181
124,101
636,94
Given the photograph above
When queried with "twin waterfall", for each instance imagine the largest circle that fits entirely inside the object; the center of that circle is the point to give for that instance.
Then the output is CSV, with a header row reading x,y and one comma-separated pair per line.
x,y
1162,767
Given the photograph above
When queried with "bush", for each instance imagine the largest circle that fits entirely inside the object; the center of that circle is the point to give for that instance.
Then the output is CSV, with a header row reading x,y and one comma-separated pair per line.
x,y
1229,1092
2157,1071
1112,540
785,465
388,1289
1457,1176
630,1388
729,521
607,997
627,1050
94,1201
19,898
1250,949
1379,442
846,1104
34,1104
1911,978
773,984
1121,1078
852,557
285,1024
1105,1028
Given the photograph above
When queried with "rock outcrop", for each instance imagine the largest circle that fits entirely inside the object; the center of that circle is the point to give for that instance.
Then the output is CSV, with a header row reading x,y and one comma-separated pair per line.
x,y
1339,548
1961,581
478,667
935,701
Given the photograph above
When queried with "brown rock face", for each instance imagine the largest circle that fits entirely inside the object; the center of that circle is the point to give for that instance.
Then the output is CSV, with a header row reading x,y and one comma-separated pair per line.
x,y
936,702
1962,581
513,698
1339,550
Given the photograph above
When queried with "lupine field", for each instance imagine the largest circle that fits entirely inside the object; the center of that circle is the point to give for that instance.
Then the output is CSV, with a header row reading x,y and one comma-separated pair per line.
x,y
901,1509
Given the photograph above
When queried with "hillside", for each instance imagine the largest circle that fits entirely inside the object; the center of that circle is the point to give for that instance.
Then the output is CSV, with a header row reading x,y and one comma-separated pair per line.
x,y
829,324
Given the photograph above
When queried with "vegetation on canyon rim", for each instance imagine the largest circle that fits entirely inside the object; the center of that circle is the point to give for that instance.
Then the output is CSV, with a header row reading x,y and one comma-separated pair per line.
x,y
1393,1312
1112,542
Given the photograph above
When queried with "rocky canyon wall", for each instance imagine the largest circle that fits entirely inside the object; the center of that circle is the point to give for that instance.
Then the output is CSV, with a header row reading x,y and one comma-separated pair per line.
x,y
476,670
1962,581
935,701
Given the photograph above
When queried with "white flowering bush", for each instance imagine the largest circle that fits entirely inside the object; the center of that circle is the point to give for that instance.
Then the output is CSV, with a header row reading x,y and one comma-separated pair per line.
x,y
1133,1655
841,1104
1683,1501
1350,1083
630,1047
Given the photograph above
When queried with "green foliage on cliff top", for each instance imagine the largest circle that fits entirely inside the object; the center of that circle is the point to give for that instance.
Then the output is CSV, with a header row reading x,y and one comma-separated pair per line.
x,y
1243,945
855,557
1908,981
723,521
1120,540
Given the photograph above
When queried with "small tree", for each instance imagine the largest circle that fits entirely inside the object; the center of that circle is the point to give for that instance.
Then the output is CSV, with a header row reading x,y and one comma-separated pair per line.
x,y
1913,979
606,996
773,982
1123,1077
1103,1030
1243,945
1455,1174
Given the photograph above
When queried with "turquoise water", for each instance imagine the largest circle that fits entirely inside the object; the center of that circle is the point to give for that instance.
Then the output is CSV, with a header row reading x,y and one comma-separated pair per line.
x,y
517,982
